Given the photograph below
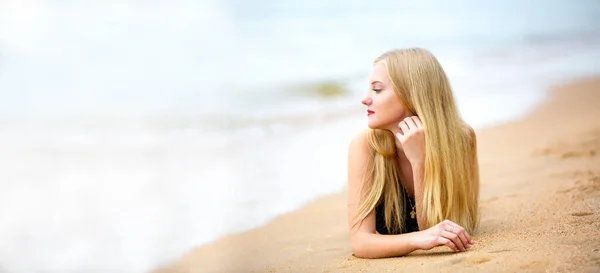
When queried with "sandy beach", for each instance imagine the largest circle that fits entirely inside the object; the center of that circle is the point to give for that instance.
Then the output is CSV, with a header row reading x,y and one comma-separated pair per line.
x,y
540,205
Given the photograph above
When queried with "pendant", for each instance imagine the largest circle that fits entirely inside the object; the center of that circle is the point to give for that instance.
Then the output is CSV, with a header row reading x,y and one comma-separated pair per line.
x,y
412,214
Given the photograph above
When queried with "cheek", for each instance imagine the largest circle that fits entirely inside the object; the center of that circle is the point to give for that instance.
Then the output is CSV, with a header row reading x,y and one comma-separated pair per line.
x,y
394,109
388,112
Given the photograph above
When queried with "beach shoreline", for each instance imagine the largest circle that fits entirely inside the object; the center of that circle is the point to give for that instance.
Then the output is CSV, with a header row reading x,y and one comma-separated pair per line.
x,y
540,205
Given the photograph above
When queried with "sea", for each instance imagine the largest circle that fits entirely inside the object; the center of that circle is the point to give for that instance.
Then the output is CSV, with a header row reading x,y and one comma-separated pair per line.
x,y
133,131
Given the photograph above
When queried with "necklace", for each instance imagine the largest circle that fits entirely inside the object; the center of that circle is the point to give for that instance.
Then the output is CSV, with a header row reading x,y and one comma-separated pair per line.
x,y
413,213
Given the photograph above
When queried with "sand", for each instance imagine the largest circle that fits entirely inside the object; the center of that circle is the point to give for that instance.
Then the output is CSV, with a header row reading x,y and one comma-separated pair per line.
x,y
540,205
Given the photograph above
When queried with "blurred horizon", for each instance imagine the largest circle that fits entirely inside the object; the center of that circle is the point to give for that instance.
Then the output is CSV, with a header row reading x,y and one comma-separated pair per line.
x,y
157,56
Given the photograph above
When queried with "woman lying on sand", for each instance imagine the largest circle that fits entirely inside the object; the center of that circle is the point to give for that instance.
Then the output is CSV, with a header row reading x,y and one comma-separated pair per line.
x,y
413,177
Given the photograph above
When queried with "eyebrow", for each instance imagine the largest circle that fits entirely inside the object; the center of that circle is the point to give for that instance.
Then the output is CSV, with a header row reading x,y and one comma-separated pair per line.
x,y
374,82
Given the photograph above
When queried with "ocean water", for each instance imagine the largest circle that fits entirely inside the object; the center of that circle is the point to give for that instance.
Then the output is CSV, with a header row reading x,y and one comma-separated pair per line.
x,y
132,132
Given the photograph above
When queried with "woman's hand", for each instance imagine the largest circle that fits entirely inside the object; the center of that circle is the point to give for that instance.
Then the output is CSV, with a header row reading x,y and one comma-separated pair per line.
x,y
412,138
445,233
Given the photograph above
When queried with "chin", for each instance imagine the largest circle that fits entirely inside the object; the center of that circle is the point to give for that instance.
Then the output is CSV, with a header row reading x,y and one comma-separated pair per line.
x,y
373,125
379,125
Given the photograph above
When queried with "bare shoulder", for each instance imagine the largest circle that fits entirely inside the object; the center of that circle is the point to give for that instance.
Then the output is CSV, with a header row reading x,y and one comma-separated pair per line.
x,y
470,132
359,160
359,182
359,146
359,155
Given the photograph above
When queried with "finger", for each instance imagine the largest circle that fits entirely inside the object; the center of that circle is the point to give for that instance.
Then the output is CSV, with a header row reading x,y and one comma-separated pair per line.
x,y
460,230
448,243
467,236
462,234
454,238
410,123
447,225
404,128
400,137
417,121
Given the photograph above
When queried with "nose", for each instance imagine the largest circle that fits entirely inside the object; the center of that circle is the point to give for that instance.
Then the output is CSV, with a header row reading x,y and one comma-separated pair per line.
x,y
367,101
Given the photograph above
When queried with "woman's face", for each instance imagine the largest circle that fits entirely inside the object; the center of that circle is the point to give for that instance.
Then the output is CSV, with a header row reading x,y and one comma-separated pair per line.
x,y
383,106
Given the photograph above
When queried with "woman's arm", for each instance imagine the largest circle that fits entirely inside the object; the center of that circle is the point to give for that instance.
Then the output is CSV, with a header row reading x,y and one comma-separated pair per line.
x,y
413,141
365,241
373,245
412,136
418,176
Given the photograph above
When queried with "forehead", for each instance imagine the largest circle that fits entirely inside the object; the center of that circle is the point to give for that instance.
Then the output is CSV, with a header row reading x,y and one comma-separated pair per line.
x,y
379,73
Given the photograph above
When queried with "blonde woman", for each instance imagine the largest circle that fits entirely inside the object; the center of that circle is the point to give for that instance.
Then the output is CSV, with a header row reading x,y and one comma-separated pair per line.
x,y
413,177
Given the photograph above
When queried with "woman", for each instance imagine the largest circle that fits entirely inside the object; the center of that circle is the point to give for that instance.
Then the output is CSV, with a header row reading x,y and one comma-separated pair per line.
x,y
413,177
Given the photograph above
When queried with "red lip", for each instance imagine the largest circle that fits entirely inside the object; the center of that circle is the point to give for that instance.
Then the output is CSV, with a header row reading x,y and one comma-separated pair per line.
x,y
369,112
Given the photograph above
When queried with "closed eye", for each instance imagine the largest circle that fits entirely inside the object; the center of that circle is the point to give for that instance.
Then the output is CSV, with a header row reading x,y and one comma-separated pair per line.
x,y
376,90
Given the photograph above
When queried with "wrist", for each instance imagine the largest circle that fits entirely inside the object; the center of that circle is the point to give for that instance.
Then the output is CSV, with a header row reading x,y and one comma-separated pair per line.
x,y
417,165
414,242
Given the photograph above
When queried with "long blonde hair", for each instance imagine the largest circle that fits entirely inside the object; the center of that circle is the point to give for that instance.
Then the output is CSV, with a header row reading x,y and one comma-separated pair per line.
x,y
451,171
